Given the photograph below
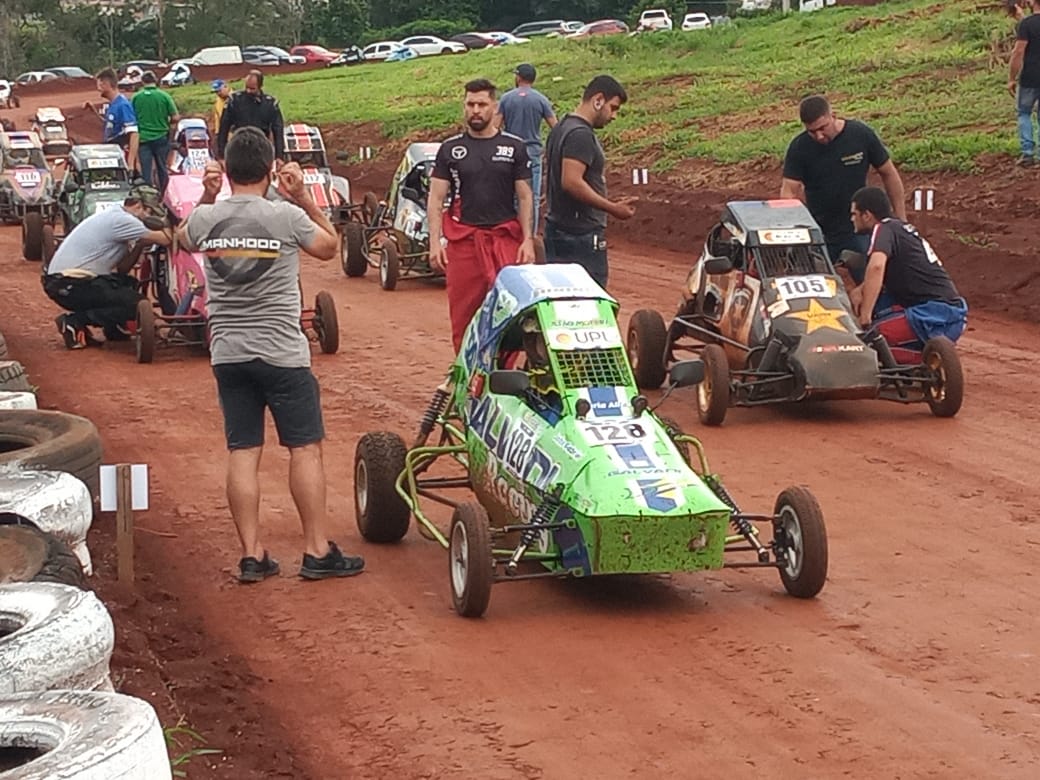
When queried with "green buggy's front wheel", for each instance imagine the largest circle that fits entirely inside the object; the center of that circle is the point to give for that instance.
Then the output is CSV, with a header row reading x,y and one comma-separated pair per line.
x,y
799,532
470,564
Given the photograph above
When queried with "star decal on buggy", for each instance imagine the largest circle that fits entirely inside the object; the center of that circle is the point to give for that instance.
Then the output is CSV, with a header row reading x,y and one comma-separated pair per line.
x,y
817,317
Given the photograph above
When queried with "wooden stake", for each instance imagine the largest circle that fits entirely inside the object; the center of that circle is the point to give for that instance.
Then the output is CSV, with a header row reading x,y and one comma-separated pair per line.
x,y
124,524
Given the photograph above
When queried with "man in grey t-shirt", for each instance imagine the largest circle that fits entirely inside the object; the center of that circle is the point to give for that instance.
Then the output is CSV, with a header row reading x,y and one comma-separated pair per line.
x,y
89,275
521,112
261,359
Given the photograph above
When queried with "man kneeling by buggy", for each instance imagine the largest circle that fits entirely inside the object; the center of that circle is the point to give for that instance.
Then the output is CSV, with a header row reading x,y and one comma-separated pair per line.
x,y
89,275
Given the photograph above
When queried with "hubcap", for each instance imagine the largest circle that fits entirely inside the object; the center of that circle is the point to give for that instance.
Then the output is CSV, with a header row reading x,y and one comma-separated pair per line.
x,y
938,388
704,392
459,559
361,485
384,267
792,529
633,350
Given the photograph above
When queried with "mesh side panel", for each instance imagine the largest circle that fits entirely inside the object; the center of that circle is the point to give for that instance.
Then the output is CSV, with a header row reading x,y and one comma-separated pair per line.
x,y
593,368
791,260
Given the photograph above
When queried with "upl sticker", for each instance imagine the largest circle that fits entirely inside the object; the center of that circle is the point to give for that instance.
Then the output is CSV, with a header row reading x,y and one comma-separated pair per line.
x,y
584,338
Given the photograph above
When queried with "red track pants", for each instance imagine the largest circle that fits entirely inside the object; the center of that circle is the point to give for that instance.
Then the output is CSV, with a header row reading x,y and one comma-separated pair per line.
x,y
475,256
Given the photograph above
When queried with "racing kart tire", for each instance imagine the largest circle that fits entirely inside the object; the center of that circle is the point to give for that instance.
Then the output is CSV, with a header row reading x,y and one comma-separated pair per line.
x,y
389,266
88,735
713,391
370,207
13,377
326,322
145,337
355,262
28,554
55,637
673,429
51,441
471,569
32,236
382,515
47,246
647,341
800,521
946,394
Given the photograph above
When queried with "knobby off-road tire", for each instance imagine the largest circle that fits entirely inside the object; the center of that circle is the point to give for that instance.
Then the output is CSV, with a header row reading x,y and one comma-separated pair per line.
x,y
647,338
326,322
144,339
713,391
32,236
389,266
53,637
470,565
382,515
355,261
27,554
51,441
13,377
86,735
47,246
802,521
946,397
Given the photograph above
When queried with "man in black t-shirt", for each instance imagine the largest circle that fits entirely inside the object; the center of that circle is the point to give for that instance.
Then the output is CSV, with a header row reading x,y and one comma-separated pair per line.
x,y
485,173
1024,77
827,163
576,195
906,294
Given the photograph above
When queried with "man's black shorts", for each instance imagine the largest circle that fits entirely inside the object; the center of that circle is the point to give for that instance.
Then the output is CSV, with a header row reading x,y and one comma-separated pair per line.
x,y
292,395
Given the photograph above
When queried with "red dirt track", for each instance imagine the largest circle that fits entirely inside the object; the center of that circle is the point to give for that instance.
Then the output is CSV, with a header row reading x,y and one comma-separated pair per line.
x,y
918,659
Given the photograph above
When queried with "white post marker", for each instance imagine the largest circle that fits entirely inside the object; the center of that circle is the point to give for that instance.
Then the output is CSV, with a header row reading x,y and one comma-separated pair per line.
x,y
640,176
124,490
924,198
364,152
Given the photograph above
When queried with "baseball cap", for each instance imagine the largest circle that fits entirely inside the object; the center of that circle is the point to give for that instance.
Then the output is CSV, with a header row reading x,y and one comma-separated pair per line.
x,y
217,85
525,71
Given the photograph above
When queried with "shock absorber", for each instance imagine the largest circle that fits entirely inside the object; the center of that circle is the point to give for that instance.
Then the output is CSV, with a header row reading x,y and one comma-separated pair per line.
x,y
433,411
878,342
741,523
542,517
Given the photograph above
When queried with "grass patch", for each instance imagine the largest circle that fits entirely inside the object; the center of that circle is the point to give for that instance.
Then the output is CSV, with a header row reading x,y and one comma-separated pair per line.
x,y
928,76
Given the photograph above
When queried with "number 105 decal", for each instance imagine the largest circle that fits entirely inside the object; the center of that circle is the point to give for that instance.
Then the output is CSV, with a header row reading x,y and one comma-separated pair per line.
x,y
811,286
609,433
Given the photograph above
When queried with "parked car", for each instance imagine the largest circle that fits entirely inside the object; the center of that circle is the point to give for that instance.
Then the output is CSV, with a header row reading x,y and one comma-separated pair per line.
x,y
352,55
35,77
380,50
474,40
569,27
7,97
262,58
402,54
178,75
545,27
283,57
312,53
655,19
601,27
750,6
425,45
140,64
70,72
218,55
696,21
507,39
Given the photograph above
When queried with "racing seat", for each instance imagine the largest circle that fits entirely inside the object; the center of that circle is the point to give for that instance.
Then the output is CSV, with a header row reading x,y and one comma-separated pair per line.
x,y
418,181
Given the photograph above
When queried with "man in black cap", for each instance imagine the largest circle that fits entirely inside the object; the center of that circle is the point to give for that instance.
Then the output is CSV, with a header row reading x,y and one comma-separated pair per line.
x,y
520,113
252,107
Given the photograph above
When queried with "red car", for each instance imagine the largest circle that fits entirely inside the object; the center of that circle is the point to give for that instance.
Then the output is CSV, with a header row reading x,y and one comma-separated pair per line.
x,y
602,27
312,53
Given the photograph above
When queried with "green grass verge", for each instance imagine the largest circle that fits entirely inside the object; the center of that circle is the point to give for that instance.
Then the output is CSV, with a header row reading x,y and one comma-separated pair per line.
x,y
929,76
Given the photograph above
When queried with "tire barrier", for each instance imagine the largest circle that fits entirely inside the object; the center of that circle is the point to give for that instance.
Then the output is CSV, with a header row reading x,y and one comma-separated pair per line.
x,y
51,441
13,377
52,501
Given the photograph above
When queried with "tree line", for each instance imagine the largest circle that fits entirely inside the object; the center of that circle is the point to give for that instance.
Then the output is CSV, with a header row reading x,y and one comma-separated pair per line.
x,y
93,33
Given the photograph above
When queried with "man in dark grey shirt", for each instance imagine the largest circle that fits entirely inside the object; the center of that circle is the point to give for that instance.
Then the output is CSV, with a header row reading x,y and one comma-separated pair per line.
x,y
260,357
520,113
575,227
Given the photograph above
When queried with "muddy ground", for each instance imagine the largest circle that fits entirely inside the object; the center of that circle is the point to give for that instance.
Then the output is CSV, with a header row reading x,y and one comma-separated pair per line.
x,y
917,660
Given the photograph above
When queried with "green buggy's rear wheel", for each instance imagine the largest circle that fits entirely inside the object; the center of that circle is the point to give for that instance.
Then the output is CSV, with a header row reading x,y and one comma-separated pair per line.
x,y
382,515
647,340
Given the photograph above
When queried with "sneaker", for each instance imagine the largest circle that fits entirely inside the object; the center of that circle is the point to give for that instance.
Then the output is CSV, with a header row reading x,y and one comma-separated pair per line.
x,y
333,564
252,570
117,333
75,338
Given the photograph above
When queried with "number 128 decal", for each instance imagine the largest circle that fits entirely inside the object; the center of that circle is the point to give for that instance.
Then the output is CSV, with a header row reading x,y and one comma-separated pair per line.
x,y
609,433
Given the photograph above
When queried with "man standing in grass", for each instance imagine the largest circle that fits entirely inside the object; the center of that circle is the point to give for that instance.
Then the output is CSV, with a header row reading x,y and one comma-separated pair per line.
x,y
222,92
829,162
1024,78
155,111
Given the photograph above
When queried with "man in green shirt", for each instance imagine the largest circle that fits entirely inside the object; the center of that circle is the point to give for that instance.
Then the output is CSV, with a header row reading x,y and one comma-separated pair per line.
x,y
155,113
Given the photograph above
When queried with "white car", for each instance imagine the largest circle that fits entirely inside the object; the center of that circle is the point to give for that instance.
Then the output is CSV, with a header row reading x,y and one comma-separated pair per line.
x,y
507,39
425,45
696,22
380,50
655,19
36,76
750,6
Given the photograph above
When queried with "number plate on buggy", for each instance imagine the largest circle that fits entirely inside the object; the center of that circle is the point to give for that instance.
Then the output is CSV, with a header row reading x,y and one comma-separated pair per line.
x,y
103,162
599,434
811,286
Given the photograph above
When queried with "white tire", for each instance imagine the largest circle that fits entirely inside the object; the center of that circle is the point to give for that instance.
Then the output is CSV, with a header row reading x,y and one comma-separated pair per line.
x,y
53,501
13,377
22,399
60,637
86,736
